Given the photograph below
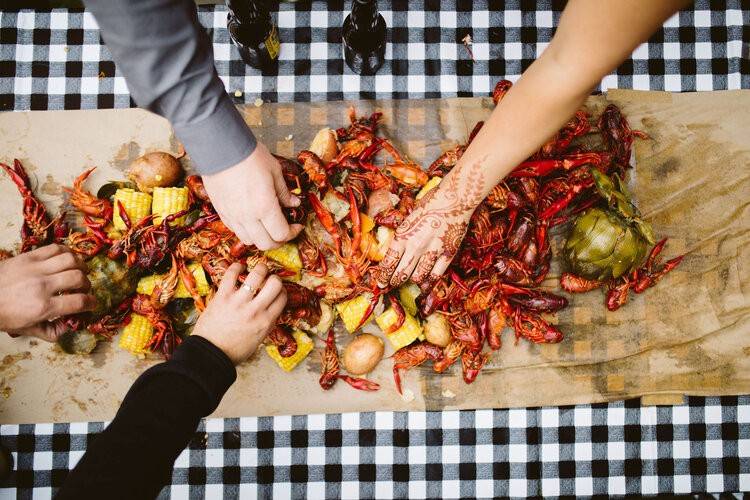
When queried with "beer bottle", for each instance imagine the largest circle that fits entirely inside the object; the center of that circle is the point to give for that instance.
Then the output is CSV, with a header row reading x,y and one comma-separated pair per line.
x,y
364,34
253,31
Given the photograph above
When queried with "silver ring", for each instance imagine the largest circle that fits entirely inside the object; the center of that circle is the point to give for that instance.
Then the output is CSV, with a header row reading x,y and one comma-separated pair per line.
x,y
247,288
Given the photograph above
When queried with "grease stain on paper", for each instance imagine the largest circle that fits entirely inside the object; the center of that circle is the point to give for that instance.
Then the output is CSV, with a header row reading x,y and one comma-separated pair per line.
x,y
9,370
128,152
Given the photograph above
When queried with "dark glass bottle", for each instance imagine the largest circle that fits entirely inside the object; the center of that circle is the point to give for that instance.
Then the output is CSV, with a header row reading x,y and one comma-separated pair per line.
x,y
364,35
252,30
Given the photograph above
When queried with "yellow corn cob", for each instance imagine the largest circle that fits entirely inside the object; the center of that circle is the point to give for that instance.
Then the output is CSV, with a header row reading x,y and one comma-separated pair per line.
x,y
137,206
366,222
136,334
287,255
407,295
406,334
147,283
169,201
353,310
304,346
432,183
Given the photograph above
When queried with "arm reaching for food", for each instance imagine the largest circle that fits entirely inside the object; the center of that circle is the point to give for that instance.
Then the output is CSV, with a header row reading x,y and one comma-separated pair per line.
x,y
39,286
134,455
167,60
592,38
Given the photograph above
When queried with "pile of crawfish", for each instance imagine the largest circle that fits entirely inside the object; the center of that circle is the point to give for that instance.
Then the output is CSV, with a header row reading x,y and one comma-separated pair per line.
x,y
493,282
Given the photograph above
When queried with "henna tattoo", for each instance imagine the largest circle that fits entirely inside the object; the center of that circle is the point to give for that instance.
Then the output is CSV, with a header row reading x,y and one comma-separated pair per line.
x,y
428,196
462,196
452,238
424,267
387,266
399,278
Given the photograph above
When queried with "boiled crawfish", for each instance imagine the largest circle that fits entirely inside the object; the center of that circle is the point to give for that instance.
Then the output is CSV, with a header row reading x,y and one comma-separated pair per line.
x,y
35,230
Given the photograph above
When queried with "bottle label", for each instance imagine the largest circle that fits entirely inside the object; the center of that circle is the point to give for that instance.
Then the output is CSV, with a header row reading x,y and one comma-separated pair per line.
x,y
272,43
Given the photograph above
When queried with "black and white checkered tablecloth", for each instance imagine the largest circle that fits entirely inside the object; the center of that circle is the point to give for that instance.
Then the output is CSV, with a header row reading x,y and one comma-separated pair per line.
x,y
55,60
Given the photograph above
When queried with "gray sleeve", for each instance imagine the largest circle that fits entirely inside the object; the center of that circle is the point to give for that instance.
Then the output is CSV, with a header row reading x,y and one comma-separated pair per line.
x,y
167,60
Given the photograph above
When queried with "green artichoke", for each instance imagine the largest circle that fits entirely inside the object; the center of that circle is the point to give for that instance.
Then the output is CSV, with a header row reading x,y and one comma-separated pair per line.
x,y
606,243
111,282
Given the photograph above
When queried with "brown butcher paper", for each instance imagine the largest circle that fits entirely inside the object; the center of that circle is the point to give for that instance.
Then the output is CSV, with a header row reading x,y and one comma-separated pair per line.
x,y
688,335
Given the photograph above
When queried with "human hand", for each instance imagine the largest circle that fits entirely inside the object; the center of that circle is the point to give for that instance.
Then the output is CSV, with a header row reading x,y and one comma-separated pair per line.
x,y
39,286
237,320
429,238
247,197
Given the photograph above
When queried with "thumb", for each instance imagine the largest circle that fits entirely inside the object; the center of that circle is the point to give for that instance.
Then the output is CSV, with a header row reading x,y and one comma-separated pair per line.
x,y
286,198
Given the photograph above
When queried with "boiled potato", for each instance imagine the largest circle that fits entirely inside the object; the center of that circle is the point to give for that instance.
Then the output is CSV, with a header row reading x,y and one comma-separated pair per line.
x,y
362,354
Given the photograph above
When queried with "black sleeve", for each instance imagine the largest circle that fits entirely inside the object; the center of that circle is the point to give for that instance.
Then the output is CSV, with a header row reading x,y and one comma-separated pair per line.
x,y
133,457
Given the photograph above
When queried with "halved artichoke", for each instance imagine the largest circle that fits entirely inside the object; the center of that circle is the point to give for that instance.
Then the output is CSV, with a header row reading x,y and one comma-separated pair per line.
x,y
607,243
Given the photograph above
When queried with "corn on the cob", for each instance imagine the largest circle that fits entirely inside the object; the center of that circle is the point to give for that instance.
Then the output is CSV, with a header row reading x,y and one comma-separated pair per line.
x,y
406,334
287,255
407,295
136,334
366,222
137,205
353,310
147,283
431,184
304,346
168,201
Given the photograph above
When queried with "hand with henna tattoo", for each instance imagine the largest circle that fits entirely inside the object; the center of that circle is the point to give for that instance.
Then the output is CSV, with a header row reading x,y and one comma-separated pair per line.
x,y
429,238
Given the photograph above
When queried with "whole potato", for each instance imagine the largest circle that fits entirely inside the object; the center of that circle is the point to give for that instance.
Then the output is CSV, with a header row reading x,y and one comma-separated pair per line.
x,y
362,354
157,169
324,145
437,330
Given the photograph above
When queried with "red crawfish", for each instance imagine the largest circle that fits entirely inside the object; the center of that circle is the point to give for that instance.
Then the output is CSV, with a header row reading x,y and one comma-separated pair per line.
x,y
314,168
472,363
326,220
35,230
87,203
539,301
465,330
164,339
646,276
400,315
313,260
540,168
411,356
88,243
521,235
617,293
488,329
501,88
190,284
108,325
451,353
144,244
302,304
283,340
578,284
532,327
576,127
446,161
194,183
617,134
514,271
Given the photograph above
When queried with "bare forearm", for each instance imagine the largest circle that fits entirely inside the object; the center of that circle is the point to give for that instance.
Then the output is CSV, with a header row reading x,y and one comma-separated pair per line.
x,y
593,38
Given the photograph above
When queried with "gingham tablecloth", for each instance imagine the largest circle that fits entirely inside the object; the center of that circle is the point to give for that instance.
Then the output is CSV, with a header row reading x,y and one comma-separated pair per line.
x,y
55,60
